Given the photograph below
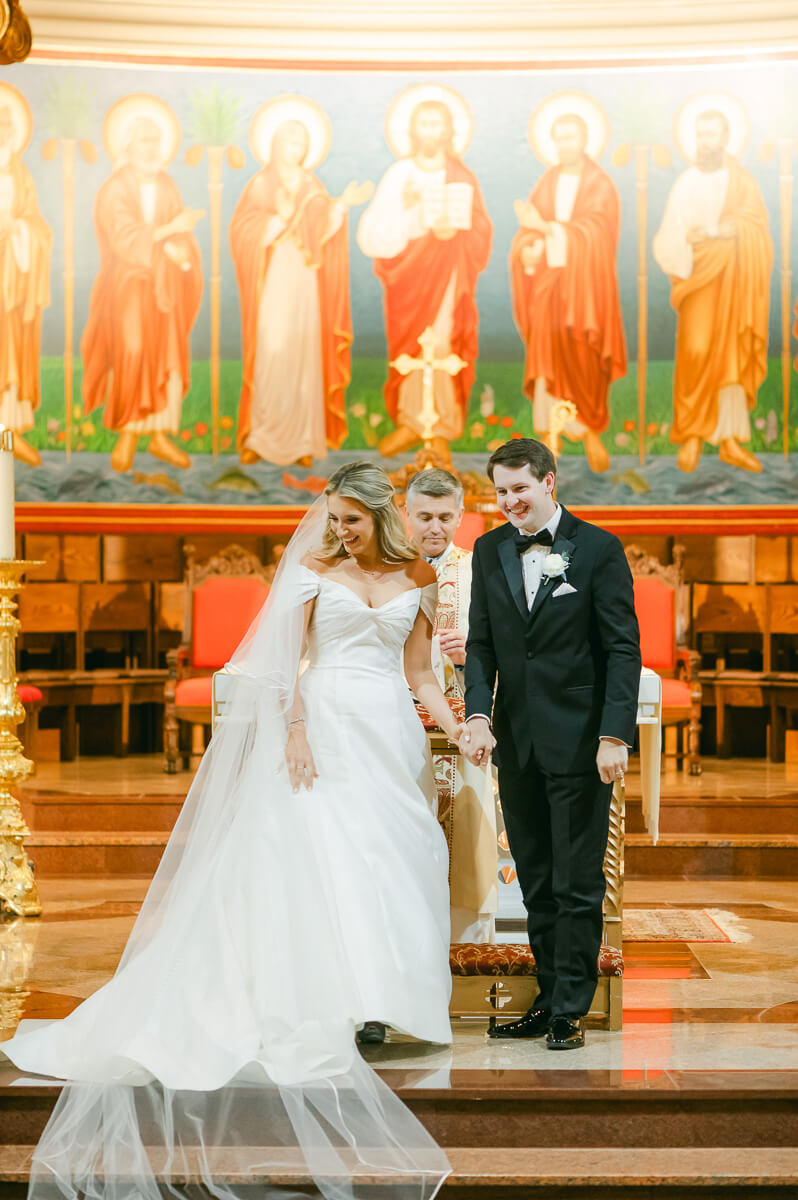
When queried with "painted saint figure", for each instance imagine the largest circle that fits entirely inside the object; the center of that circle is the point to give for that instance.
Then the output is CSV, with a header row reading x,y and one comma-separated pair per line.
x,y
429,234
289,242
25,245
715,245
565,290
145,299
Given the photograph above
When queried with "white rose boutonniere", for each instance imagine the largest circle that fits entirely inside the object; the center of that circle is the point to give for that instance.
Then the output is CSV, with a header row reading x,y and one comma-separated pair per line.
x,y
555,565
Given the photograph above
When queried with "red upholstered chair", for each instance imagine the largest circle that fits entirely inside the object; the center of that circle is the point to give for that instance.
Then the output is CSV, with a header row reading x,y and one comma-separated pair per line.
x,y
31,697
223,597
661,604
471,527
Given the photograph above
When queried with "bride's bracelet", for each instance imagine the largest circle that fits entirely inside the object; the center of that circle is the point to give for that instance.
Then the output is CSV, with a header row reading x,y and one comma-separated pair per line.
x,y
296,721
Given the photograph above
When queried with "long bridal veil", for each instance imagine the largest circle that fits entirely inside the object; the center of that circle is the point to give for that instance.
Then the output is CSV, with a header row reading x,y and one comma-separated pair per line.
x,y
221,1056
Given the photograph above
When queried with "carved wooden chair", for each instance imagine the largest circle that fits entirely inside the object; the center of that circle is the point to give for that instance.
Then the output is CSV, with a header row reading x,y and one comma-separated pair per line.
x,y
662,604
222,598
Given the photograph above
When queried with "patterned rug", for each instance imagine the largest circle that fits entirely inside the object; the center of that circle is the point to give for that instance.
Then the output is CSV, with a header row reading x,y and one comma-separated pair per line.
x,y
680,925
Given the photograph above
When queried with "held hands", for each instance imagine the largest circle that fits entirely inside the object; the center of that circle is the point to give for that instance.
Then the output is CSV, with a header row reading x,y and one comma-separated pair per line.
x,y
453,645
612,760
299,759
476,741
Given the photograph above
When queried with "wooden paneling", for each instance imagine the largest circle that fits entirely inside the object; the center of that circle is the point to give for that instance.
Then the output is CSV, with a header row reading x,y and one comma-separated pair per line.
x,y
49,608
719,559
67,556
772,559
171,606
728,608
656,547
784,609
207,544
138,557
116,606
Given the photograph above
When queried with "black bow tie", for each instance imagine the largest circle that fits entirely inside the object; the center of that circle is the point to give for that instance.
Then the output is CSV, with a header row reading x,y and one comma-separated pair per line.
x,y
543,538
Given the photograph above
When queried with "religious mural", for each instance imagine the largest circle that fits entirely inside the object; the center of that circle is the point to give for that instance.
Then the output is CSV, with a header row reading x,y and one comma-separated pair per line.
x,y
375,263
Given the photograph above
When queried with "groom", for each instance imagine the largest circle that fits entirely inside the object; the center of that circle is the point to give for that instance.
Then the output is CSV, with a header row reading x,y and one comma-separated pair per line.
x,y
552,621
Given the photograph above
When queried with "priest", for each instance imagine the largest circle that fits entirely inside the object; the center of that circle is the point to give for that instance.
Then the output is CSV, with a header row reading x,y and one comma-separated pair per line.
x,y
466,804
565,291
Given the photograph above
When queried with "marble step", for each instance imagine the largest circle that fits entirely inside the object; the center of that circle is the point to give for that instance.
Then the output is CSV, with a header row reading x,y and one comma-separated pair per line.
x,y
565,1109
59,812
688,856
701,856
549,1172
712,814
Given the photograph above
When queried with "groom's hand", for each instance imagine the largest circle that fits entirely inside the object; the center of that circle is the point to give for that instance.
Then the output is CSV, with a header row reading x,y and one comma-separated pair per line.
x,y
477,741
612,760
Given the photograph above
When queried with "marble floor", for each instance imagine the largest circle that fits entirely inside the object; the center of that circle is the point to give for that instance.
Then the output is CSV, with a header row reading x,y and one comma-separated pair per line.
x,y
703,1006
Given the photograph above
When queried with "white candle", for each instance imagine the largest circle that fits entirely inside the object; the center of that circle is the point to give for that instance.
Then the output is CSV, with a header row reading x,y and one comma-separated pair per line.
x,y
7,547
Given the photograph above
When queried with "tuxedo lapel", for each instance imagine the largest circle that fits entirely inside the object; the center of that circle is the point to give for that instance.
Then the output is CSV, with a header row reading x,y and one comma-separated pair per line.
x,y
562,545
511,565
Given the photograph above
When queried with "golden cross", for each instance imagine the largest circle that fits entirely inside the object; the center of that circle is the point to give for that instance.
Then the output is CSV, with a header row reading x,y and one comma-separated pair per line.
x,y
428,364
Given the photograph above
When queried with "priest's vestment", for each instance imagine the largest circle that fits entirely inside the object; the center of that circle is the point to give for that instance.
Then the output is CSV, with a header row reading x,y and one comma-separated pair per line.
x,y
466,804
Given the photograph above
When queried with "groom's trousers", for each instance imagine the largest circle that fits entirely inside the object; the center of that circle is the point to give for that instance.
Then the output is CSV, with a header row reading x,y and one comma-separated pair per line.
x,y
557,828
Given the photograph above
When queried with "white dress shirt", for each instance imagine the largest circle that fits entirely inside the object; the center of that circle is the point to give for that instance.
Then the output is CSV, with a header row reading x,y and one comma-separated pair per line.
x,y
532,559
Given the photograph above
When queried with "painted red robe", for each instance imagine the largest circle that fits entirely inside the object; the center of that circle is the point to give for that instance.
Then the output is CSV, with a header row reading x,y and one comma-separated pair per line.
x,y
143,305
328,256
416,280
570,317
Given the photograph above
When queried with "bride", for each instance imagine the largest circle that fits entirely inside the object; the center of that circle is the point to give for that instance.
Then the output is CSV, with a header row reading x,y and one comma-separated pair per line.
x,y
302,894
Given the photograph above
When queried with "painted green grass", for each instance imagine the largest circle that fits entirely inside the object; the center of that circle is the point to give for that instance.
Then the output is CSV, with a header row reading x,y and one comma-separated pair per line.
x,y
368,421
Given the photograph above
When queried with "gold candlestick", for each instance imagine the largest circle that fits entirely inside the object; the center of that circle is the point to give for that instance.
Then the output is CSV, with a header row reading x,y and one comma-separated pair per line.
x,y
18,891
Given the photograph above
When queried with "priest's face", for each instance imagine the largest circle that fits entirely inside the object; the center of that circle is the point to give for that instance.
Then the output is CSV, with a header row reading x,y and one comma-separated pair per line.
x,y
352,523
711,139
527,503
569,139
433,521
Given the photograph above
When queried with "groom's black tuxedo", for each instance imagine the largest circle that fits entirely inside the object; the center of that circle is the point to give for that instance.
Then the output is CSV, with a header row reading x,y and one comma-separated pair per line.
x,y
566,672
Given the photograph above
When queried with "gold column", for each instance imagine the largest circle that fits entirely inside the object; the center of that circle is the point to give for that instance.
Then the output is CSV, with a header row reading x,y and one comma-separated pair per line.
x,y
18,892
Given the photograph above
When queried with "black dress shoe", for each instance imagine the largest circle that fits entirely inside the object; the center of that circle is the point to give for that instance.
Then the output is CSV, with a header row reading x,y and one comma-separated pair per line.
x,y
566,1033
533,1025
372,1034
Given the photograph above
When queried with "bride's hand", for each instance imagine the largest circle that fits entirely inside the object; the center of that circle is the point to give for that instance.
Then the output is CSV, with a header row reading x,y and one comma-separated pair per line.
x,y
299,758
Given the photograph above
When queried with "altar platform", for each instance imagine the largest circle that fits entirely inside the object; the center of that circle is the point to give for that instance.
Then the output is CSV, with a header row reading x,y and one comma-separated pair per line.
x,y
697,1095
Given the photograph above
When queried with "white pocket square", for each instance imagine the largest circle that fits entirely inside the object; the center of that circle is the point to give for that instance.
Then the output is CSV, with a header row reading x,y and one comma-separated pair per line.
x,y
563,590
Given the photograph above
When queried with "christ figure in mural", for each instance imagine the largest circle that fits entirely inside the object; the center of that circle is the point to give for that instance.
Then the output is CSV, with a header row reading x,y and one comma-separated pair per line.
x,y
25,245
290,245
145,299
429,234
715,245
565,291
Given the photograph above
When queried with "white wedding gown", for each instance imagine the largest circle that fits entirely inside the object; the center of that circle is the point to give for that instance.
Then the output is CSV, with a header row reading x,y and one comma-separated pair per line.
x,y
278,923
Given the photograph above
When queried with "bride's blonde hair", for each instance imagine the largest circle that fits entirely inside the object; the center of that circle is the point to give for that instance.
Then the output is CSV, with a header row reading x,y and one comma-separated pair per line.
x,y
370,486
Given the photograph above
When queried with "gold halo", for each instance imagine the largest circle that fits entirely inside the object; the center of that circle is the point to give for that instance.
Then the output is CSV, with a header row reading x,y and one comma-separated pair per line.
x,y
276,112
732,108
397,118
141,104
21,115
561,104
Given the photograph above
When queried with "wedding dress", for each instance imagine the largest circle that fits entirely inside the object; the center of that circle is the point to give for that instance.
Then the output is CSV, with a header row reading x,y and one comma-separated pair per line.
x,y
222,1052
